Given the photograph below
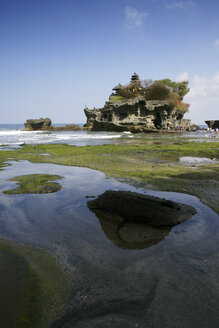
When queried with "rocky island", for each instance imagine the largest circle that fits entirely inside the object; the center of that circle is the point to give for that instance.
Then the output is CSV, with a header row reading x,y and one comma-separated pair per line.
x,y
45,124
141,106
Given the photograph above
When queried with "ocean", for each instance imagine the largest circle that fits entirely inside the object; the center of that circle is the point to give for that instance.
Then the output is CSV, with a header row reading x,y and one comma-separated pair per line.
x,y
14,135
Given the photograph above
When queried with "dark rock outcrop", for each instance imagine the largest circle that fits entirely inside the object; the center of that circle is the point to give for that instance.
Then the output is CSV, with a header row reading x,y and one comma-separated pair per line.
x,y
134,115
68,127
213,124
134,207
38,124
135,221
44,124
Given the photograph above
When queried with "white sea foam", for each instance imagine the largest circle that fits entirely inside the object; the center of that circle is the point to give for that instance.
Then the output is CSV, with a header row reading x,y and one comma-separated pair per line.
x,y
15,138
196,160
16,133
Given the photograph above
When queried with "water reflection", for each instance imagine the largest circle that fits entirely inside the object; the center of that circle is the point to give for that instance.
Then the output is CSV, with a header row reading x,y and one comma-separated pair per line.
x,y
129,235
115,285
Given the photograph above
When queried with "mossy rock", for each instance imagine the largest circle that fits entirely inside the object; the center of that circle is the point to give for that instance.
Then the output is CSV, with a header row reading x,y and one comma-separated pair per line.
x,y
35,184
34,288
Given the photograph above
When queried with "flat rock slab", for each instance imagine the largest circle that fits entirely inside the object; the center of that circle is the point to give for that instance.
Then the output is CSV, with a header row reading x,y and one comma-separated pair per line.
x,y
133,207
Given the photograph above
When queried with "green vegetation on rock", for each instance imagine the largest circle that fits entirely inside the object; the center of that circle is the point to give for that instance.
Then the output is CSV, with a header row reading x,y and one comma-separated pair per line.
x,y
165,89
179,87
116,98
35,184
33,286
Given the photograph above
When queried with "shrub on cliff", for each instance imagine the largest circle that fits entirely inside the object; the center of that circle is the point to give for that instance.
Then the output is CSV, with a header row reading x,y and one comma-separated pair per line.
x,y
175,101
156,91
131,90
178,87
165,89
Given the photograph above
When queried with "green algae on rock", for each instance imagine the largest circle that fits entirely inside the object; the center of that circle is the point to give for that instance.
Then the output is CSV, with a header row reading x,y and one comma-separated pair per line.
x,y
33,286
35,184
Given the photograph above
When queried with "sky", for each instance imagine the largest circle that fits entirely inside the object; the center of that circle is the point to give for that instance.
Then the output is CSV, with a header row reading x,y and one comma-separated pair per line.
x,y
59,56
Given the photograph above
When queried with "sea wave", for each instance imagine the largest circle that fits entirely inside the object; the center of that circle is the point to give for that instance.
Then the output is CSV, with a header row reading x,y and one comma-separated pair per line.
x,y
15,138
17,132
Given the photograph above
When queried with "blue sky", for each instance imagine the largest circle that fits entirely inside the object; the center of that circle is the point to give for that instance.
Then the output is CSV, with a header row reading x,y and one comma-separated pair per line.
x,y
56,56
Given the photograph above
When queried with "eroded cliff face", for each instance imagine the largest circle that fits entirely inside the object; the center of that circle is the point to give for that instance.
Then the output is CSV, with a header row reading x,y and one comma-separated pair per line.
x,y
135,115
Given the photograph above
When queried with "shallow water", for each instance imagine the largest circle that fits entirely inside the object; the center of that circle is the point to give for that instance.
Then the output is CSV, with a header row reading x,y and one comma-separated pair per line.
x,y
201,135
173,283
13,136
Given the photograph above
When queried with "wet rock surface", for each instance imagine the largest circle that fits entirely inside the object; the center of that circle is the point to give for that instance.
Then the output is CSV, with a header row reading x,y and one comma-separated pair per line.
x,y
135,221
138,208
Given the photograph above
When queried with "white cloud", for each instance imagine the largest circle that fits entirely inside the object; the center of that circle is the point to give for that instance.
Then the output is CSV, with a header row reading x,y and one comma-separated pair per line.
x,y
216,42
180,4
134,17
174,5
182,77
203,98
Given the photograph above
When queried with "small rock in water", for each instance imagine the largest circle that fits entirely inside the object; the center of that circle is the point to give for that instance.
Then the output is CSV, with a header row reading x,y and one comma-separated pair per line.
x,y
135,221
139,208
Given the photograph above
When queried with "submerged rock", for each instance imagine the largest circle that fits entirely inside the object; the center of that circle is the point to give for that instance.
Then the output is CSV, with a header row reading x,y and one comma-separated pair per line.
x,y
132,221
35,184
30,295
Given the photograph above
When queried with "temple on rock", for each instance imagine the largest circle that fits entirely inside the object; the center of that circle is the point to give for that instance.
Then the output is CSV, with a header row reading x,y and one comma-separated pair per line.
x,y
134,108
134,78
